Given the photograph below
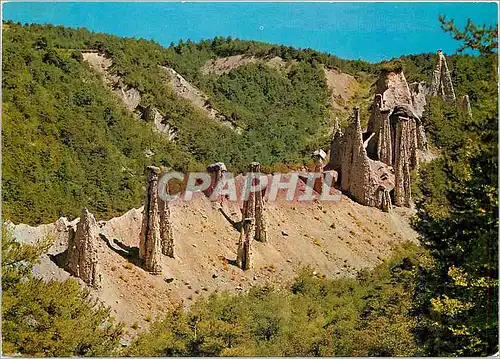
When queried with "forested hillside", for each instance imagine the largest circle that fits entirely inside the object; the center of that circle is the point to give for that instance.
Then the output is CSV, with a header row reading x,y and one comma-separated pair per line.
x,y
364,316
69,142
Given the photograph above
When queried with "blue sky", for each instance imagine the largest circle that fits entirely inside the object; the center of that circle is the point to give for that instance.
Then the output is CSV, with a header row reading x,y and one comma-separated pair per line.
x,y
369,31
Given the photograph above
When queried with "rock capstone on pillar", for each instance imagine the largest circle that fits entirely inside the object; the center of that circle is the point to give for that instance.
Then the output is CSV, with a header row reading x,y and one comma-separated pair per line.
x,y
83,261
150,246
319,156
216,171
393,88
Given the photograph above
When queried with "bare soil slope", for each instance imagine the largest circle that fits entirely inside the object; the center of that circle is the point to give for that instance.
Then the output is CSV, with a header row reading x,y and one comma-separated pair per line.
x,y
178,84
224,65
342,87
334,239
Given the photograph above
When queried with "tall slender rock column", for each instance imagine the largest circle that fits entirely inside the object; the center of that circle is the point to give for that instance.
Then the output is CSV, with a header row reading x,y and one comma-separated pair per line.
x,y
336,147
421,137
361,181
384,143
441,80
436,76
386,203
402,189
260,211
382,128
413,143
244,257
318,168
150,246
166,234
254,222
82,250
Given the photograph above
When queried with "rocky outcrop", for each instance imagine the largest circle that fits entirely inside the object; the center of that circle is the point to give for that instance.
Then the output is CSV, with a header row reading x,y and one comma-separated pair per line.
x,y
197,98
376,166
150,245
130,96
441,84
407,146
161,124
83,261
226,64
184,89
419,92
360,176
393,88
465,106
395,98
103,65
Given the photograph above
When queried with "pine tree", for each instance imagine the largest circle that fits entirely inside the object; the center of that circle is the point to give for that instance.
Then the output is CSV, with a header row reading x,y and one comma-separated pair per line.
x,y
49,318
458,299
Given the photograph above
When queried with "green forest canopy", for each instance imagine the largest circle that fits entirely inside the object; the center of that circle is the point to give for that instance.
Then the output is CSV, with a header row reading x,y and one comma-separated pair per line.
x,y
69,143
